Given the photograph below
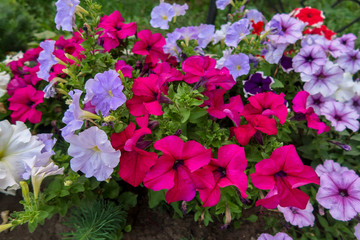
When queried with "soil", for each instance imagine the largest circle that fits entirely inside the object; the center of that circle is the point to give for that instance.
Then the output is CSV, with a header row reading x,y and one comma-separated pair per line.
x,y
146,223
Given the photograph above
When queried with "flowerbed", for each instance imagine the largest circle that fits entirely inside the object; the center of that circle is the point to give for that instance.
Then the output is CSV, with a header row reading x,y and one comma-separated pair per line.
x,y
211,121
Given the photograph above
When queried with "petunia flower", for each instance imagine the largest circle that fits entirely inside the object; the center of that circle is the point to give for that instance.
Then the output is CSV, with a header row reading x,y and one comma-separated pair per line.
x,y
254,15
125,69
257,83
180,10
340,193
174,169
161,15
347,41
341,116
65,14
221,33
228,170
221,4
282,173
105,92
357,231
274,52
23,104
4,80
17,146
93,154
317,102
238,65
206,32
278,236
311,16
46,59
347,88
236,32
350,61
309,60
330,166
298,217
291,29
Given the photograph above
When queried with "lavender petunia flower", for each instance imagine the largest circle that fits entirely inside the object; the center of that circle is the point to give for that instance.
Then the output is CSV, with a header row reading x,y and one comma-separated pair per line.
x,y
46,59
330,166
350,61
48,141
317,102
93,154
341,116
50,90
310,40
187,33
161,15
354,103
274,52
274,27
254,15
278,236
206,32
65,15
299,217
105,92
257,83
221,33
171,46
221,4
238,65
291,29
357,231
180,10
340,192
309,60
324,81
236,32
347,41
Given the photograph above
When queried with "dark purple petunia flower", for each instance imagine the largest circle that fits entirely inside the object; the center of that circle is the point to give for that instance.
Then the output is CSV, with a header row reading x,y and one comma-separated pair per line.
x,y
309,59
257,83
286,63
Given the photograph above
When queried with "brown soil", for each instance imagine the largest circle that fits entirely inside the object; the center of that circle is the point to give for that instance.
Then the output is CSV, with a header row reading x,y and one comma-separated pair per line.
x,y
147,224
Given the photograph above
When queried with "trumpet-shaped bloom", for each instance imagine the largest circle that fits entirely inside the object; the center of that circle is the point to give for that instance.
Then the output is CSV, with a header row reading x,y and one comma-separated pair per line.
x,y
238,65
161,15
282,173
180,10
150,45
65,15
228,169
174,169
330,166
221,4
341,116
93,154
309,60
17,147
258,83
291,29
236,32
350,61
298,217
24,102
340,192
46,59
278,236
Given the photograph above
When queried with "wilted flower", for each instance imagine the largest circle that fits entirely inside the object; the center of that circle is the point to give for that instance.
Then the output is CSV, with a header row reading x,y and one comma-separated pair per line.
x,y
93,154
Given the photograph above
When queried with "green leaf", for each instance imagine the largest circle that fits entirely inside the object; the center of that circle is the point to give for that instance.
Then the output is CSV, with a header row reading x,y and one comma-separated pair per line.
x,y
127,200
277,84
323,221
111,190
252,218
155,197
32,226
45,35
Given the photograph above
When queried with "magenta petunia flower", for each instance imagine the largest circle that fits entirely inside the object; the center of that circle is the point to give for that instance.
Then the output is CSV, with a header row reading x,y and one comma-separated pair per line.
x,y
341,116
125,69
161,15
23,104
174,169
238,65
93,154
282,173
46,59
309,60
228,170
291,29
105,92
150,45
298,217
278,236
350,61
340,192
65,15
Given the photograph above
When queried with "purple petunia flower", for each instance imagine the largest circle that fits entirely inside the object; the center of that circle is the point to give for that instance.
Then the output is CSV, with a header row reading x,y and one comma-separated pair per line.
x,y
93,154
238,65
278,236
350,61
291,29
324,81
180,10
161,15
221,4
105,92
187,33
354,103
257,83
317,102
274,27
206,32
236,32
274,52
309,60
171,46
347,41
299,217
46,59
330,166
254,15
48,141
340,192
341,116
65,15
286,64
357,231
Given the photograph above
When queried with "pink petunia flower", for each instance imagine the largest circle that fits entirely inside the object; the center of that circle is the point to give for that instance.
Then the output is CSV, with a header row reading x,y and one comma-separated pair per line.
x,y
282,173
124,68
174,169
23,103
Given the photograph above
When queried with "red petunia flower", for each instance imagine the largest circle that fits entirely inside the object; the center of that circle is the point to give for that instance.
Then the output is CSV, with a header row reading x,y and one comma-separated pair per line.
x,y
257,27
311,16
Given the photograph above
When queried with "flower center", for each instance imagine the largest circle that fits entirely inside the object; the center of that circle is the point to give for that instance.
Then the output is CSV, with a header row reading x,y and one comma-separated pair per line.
x,y
309,15
309,59
95,149
30,103
110,93
118,28
222,171
337,117
238,67
164,17
177,164
343,192
148,48
281,173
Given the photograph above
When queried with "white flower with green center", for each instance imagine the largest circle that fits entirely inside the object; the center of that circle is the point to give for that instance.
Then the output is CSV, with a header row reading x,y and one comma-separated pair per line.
x,y
17,146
